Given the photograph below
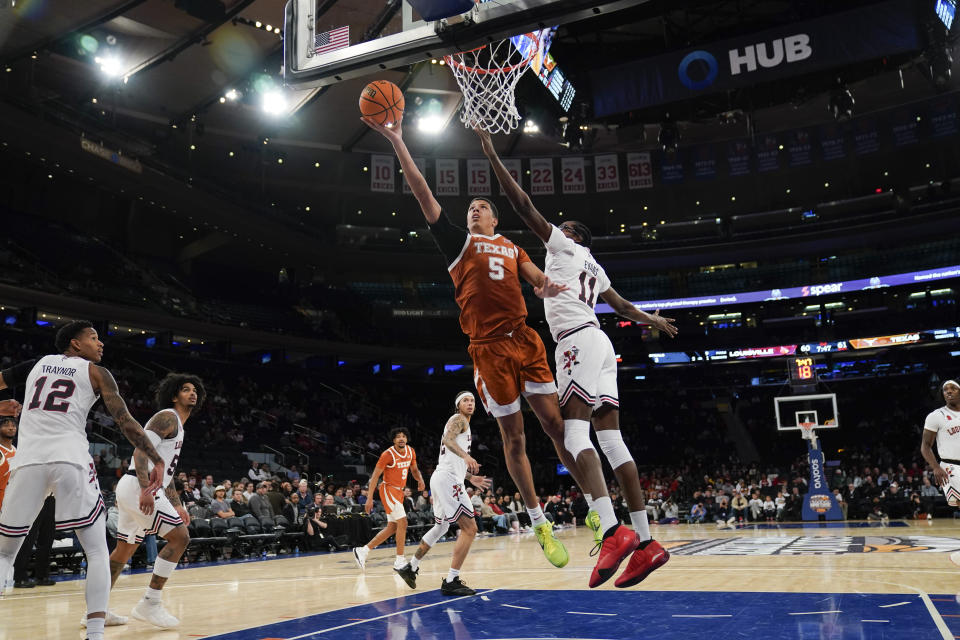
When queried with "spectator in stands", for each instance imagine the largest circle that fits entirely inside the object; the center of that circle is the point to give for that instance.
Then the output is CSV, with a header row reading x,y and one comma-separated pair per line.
x,y
756,506
362,498
724,516
227,488
928,494
274,496
187,497
877,514
407,500
249,491
292,510
316,539
293,474
769,509
219,506
556,507
516,505
340,501
255,473
239,504
207,488
894,502
739,507
794,504
781,503
671,512
303,488
260,506
697,513
349,501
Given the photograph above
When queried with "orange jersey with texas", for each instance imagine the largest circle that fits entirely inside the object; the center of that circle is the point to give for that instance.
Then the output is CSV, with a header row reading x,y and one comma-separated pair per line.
x,y
396,466
486,276
5,456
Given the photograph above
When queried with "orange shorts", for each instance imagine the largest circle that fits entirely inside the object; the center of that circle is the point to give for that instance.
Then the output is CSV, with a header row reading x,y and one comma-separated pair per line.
x,y
504,368
392,499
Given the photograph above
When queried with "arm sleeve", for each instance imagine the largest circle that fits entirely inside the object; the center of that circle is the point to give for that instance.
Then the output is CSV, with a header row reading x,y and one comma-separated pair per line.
x,y
557,242
932,423
16,375
450,238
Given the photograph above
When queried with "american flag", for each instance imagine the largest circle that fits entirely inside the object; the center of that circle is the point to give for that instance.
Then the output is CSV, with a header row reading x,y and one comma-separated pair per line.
x,y
331,40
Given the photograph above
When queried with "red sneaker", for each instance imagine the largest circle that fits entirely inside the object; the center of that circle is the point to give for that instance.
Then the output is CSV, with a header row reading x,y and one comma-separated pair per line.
x,y
613,550
643,563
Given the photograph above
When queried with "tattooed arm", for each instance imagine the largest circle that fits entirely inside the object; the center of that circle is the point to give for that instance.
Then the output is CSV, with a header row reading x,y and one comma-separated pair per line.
x,y
455,426
106,386
174,499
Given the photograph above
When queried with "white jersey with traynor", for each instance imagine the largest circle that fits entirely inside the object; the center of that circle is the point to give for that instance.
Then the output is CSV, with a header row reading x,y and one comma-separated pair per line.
x,y
53,424
573,265
451,462
946,423
168,448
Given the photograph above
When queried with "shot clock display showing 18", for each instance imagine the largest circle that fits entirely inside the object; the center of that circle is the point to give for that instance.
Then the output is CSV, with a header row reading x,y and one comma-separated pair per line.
x,y
802,371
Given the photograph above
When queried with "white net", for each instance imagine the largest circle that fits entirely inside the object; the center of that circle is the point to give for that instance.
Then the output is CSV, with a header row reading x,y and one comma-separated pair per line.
x,y
806,430
487,77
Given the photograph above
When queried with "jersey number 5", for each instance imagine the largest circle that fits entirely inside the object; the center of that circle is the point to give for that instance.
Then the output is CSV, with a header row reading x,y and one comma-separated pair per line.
x,y
60,390
590,298
496,268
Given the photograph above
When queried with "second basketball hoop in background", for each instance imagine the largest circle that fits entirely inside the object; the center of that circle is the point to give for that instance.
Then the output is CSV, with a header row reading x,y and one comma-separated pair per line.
x,y
382,101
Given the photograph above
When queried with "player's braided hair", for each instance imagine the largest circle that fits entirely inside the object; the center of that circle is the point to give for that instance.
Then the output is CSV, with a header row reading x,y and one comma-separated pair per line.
x,y
171,384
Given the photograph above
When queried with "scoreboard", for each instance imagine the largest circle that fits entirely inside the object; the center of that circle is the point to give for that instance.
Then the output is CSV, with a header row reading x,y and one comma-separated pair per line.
x,y
803,370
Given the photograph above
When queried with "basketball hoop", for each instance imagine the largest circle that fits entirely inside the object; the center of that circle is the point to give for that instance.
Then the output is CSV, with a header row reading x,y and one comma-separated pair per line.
x,y
806,430
487,76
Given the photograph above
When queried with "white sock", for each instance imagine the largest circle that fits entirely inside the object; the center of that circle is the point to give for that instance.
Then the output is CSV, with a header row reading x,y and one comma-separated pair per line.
x,y
399,562
536,516
640,524
153,596
453,574
604,508
414,563
589,499
95,628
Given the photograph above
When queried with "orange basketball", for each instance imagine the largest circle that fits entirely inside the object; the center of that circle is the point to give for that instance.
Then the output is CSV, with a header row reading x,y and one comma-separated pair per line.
x,y
382,101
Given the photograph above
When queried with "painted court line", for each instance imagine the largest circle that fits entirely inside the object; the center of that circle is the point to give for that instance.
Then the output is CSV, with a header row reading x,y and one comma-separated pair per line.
x,y
387,615
937,619
513,606
588,613
715,615
814,613
895,604
874,621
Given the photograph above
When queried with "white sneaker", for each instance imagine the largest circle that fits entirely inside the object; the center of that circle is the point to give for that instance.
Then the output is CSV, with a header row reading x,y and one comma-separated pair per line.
x,y
360,555
955,558
155,614
112,620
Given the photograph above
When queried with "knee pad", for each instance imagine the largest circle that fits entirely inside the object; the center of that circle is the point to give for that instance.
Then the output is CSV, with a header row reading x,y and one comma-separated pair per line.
x,y
613,447
576,436
436,532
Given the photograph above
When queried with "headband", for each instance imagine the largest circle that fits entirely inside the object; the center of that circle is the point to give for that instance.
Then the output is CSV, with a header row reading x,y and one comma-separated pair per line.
x,y
953,382
465,394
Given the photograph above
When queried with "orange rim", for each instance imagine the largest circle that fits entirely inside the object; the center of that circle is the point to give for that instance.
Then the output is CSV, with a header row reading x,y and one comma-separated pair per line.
x,y
533,51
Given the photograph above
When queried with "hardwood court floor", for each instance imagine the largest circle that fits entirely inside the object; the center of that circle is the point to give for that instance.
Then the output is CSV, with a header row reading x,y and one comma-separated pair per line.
x,y
210,600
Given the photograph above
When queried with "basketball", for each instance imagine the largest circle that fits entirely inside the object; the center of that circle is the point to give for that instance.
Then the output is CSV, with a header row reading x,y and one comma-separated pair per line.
x,y
382,101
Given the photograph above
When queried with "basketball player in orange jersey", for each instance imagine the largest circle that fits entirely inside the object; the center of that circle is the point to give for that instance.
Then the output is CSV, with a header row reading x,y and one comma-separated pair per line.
x,y
509,359
8,431
394,463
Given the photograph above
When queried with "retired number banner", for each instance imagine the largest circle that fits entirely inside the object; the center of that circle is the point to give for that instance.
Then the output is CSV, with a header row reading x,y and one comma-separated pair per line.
x,y
382,174
608,172
541,176
448,177
514,167
478,177
571,172
639,171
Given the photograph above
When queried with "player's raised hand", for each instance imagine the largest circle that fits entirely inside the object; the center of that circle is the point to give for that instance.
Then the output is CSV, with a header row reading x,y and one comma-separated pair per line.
x,y
481,482
549,288
472,465
392,132
9,408
486,141
146,501
664,324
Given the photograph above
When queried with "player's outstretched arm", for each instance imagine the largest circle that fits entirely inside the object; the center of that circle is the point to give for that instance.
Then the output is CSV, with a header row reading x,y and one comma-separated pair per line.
x,y
106,386
625,308
418,185
521,202
543,287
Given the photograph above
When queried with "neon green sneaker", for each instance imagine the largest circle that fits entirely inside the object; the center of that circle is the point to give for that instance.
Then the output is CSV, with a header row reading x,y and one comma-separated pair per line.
x,y
593,521
552,548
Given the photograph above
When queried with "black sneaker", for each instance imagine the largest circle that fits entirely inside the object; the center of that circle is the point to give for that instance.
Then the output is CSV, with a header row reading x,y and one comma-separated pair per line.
x,y
409,575
456,588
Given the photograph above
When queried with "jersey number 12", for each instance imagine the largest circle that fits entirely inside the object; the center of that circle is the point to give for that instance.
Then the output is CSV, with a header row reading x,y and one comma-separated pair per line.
x,y
60,390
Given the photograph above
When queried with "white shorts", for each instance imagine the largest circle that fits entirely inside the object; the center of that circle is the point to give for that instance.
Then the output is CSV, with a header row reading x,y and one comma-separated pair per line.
x,y
951,490
79,502
450,499
132,524
587,368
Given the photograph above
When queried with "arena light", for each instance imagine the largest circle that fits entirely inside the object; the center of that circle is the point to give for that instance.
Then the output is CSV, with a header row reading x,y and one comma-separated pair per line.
x,y
232,95
530,127
431,124
274,103
110,66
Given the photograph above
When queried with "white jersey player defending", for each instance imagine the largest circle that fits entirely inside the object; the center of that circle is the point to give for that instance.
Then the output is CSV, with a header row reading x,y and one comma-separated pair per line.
x,y
53,456
450,500
943,426
182,393
587,380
